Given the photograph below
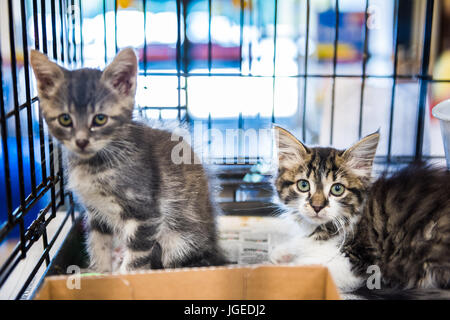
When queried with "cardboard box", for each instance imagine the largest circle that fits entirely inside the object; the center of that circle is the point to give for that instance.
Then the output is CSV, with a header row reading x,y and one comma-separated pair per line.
x,y
260,282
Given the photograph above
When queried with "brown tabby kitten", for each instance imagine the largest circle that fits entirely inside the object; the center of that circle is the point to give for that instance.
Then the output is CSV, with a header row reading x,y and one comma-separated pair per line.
x,y
400,223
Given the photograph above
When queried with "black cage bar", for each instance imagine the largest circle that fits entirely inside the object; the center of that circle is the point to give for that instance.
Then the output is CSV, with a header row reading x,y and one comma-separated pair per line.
x,y
50,156
58,31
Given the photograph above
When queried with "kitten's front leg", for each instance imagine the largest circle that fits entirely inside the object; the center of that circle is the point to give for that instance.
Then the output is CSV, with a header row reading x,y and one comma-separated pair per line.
x,y
309,251
286,252
100,246
142,252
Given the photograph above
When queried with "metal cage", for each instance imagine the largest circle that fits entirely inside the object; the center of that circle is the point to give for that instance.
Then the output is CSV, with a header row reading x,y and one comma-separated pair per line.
x,y
34,186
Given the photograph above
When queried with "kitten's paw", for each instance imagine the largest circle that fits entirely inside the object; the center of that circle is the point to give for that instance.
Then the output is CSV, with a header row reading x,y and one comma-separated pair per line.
x,y
281,254
96,270
88,270
124,268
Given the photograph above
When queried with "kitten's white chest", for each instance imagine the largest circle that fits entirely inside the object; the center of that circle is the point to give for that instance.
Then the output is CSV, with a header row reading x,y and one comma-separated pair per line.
x,y
307,251
327,253
90,190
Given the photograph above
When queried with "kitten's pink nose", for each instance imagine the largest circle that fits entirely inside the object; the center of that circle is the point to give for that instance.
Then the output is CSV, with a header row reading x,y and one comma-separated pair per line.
x,y
317,208
82,143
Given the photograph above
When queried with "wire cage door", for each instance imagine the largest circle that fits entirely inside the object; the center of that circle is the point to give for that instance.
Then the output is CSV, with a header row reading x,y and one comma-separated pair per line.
x,y
33,193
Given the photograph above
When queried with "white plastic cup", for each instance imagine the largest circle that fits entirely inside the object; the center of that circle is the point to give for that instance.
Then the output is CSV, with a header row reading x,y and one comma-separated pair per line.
x,y
442,112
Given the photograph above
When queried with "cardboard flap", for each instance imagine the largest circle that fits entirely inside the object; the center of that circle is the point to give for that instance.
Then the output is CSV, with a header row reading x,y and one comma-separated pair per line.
x,y
225,283
287,283
91,288
215,284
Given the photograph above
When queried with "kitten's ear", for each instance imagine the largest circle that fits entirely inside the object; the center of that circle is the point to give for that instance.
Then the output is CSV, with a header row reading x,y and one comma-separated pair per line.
x,y
359,157
48,74
121,73
290,150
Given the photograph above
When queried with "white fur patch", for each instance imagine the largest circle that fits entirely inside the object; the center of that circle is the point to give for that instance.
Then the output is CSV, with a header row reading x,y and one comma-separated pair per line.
x,y
307,251
174,245
87,186
131,256
100,251
129,229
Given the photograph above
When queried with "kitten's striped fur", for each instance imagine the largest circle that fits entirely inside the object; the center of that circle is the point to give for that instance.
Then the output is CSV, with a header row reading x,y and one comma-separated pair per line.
x,y
405,229
401,222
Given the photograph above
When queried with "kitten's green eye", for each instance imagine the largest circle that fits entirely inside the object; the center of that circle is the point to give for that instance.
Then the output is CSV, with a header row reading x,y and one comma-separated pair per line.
x,y
100,119
65,120
337,189
303,185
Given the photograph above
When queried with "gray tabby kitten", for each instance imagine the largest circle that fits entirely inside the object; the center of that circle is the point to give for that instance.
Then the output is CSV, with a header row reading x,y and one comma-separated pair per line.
x,y
122,170
400,223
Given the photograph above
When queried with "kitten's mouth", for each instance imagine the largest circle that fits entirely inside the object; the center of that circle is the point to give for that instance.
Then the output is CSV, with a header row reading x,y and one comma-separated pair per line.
x,y
85,154
318,219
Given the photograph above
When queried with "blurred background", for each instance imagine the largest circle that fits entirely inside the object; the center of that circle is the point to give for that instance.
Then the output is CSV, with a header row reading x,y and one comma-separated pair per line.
x,y
331,71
